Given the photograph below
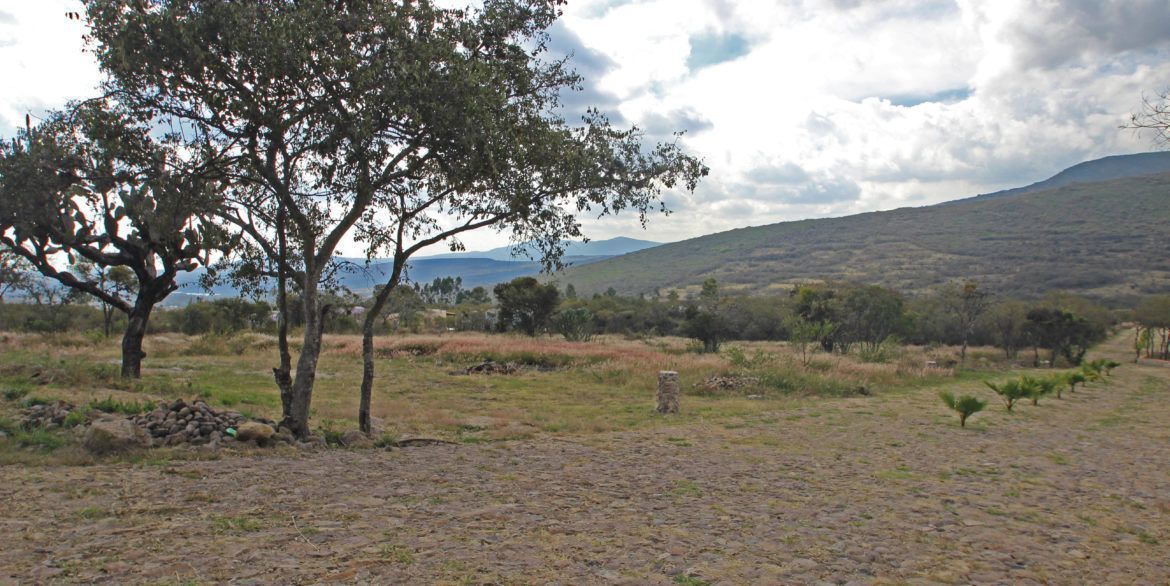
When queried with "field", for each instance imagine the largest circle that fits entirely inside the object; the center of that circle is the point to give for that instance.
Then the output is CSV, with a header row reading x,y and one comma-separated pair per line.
x,y
841,472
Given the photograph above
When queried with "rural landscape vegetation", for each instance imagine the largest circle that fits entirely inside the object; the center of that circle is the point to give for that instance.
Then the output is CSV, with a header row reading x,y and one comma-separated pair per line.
x,y
198,386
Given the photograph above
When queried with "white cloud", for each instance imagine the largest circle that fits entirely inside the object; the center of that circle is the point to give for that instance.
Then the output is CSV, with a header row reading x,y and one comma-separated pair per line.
x,y
41,60
802,108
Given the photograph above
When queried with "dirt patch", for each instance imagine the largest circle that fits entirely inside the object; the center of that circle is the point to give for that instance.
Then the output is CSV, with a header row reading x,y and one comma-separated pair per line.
x,y
874,490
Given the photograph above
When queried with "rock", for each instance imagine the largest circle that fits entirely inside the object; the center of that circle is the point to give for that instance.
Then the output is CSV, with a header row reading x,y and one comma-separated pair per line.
x,y
254,430
110,435
355,439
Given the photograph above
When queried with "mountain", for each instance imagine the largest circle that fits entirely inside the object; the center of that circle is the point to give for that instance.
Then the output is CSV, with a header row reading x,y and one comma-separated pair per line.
x,y
1104,169
475,268
1107,239
593,248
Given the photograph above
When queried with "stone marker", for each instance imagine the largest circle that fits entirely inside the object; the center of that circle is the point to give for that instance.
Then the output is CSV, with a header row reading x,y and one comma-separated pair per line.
x,y
667,392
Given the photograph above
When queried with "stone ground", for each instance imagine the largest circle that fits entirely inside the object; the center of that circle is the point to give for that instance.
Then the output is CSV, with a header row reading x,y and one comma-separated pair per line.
x,y
877,490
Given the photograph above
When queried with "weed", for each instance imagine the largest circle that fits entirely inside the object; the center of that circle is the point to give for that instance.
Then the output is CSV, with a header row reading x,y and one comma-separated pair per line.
x,y
15,393
683,580
94,513
111,405
235,524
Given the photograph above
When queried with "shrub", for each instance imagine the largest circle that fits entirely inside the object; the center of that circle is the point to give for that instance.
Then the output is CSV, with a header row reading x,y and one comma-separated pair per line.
x,y
1036,387
965,406
111,405
1010,391
14,394
1072,378
575,324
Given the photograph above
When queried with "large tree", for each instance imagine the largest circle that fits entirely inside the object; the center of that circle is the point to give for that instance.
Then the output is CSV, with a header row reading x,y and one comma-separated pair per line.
x,y
338,110
92,184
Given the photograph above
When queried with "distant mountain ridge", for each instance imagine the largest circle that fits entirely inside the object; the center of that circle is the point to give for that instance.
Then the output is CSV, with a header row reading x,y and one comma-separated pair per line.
x,y
1108,239
593,248
1103,169
475,268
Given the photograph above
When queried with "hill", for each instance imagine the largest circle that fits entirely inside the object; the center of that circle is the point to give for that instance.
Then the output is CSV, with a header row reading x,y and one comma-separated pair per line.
x,y
1104,169
1106,239
594,248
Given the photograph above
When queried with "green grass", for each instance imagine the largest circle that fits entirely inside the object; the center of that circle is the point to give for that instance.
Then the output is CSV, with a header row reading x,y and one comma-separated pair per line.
x,y
240,524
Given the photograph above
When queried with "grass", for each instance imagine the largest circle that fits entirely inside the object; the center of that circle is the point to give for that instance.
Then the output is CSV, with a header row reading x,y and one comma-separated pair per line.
x,y
563,388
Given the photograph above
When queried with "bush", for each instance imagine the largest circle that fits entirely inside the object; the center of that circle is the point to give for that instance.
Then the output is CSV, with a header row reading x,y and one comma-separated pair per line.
x,y
1010,391
575,324
1036,387
965,406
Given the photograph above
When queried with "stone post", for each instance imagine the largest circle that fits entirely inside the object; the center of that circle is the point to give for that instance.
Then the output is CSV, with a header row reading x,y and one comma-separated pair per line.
x,y
668,392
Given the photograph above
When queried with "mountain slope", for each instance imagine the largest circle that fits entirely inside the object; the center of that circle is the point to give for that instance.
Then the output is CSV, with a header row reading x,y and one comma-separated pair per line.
x,y
1106,239
1104,169
611,247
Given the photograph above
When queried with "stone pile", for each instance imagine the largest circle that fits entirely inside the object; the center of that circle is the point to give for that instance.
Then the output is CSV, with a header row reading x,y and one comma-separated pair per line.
x,y
730,383
196,424
47,416
490,367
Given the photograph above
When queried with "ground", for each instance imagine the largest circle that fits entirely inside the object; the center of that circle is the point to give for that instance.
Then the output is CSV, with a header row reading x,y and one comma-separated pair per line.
x,y
883,489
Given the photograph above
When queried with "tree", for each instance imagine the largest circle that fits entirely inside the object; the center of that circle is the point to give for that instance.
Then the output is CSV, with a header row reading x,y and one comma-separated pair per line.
x,y
14,274
705,321
118,279
867,315
339,111
966,303
802,334
525,305
1062,332
92,183
1007,320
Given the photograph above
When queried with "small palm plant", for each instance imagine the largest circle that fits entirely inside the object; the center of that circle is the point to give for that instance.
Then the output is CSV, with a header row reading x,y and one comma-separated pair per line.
x,y
1010,391
1091,371
965,406
1072,378
1036,387
1108,366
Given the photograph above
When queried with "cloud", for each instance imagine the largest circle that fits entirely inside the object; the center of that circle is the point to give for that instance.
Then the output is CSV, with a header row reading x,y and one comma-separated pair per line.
x,y
1051,34
663,126
592,66
713,49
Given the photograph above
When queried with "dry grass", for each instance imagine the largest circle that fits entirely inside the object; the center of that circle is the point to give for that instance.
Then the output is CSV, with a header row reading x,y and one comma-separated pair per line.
x,y
562,388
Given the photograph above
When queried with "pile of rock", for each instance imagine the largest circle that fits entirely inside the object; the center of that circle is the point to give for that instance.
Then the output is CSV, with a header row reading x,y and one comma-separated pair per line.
x,y
47,416
180,423
491,367
729,383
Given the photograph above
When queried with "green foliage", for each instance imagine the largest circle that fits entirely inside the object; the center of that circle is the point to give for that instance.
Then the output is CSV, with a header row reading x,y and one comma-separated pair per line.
x,y
1072,379
965,405
75,418
525,305
575,324
1063,332
111,405
881,353
1036,387
14,393
1009,391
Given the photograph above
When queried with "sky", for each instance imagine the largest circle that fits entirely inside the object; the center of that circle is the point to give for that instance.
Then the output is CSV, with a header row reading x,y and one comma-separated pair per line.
x,y
801,108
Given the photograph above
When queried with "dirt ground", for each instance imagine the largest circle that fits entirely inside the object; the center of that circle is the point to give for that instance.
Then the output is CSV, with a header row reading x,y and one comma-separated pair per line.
x,y
870,490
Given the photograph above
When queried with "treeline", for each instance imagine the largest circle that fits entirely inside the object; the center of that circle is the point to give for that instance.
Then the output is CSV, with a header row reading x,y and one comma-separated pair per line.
x,y
836,317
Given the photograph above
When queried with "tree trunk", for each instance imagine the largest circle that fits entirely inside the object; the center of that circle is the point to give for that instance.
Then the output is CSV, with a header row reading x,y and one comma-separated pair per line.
x,y
963,351
367,373
282,373
297,419
368,347
132,353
